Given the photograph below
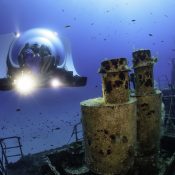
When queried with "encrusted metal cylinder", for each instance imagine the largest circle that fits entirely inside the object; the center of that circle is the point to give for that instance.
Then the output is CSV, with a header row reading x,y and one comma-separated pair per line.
x,y
115,80
143,68
148,113
148,123
110,135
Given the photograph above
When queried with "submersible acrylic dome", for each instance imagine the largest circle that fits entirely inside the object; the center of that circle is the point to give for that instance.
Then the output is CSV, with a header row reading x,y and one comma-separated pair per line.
x,y
40,36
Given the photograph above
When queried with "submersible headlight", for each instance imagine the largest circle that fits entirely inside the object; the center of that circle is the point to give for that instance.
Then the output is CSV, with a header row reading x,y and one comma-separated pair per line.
x,y
25,83
55,83
17,34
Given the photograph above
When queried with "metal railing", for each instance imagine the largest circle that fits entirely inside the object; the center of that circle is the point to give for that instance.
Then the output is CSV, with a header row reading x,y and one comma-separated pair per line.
x,y
4,159
169,119
75,132
2,169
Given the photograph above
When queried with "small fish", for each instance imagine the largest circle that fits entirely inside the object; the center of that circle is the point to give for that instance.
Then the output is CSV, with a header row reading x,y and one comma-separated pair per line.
x,y
18,109
67,26
2,128
57,128
150,34
133,20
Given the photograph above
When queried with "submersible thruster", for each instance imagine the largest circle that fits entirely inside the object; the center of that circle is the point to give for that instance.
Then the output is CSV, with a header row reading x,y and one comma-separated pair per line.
x,y
109,122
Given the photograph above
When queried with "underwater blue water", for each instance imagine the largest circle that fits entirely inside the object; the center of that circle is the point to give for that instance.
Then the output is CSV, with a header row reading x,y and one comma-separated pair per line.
x,y
96,30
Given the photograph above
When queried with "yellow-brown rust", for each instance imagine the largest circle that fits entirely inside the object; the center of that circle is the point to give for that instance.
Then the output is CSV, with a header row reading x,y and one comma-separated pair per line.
x,y
115,80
